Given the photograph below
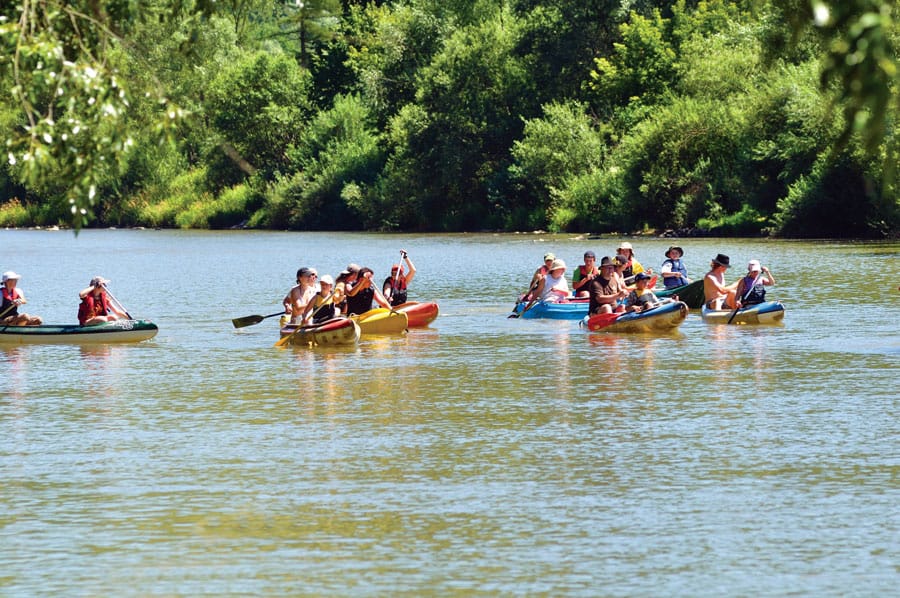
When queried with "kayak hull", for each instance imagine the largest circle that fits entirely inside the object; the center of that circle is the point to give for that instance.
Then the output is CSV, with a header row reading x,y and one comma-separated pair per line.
x,y
336,332
691,294
572,309
381,321
419,314
120,331
767,312
665,318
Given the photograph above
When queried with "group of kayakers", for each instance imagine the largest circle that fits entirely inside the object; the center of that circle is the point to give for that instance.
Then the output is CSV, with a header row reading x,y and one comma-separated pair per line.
x,y
620,283
97,305
314,300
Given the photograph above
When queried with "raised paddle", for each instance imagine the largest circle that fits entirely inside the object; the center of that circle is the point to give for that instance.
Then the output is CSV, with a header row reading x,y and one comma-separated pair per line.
x,y
744,298
118,303
251,320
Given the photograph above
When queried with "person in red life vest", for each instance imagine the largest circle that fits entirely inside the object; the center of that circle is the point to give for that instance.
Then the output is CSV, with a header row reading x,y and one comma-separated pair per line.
x,y
12,299
394,288
584,273
96,308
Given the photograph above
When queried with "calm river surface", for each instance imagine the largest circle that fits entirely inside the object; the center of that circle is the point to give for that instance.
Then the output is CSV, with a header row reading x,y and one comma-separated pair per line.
x,y
480,456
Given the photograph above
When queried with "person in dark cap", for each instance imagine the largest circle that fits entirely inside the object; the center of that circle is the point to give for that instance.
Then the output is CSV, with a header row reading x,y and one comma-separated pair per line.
x,y
584,274
673,270
300,294
605,290
641,298
718,295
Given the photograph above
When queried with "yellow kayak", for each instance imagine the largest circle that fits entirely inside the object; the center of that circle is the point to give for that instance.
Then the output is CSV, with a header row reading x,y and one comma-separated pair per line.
x,y
381,321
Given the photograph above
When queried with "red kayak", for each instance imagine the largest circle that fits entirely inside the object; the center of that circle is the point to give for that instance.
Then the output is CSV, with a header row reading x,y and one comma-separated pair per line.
x,y
420,314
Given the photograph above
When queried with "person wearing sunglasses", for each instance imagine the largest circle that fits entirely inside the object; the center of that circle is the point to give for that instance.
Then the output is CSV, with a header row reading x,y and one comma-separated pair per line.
x,y
299,296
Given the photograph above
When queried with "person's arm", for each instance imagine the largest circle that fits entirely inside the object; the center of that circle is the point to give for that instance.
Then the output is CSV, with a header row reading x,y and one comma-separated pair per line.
x,y
85,292
770,280
359,285
387,289
412,269
380,299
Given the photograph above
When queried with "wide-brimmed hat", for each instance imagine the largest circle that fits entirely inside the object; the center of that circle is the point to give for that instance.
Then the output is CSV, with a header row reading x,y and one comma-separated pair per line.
x,y
10,275
722,260
607,261
641,276
549,257
625,245
754,266
556,265
99,280
674,248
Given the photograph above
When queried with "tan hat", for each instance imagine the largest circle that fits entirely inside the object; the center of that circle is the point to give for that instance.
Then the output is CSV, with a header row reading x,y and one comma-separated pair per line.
x,y
557,264
625,245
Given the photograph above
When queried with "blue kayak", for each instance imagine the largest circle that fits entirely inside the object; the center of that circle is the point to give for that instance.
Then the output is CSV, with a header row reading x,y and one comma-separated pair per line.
x,y
570,309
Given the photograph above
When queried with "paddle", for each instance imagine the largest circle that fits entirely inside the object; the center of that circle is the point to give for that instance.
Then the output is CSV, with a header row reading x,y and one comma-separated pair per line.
x,y
744,298
600,321
286,339
516,314
251,320
118,303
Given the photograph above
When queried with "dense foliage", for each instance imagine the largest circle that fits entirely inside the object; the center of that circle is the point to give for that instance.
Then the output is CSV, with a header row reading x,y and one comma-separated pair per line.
x,y
720,117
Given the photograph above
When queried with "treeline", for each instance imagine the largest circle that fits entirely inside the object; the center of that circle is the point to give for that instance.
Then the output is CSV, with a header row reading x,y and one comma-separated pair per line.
x,y
709,117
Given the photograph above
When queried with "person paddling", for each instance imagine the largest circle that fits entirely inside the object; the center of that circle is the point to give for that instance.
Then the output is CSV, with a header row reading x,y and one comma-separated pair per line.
x,y
606,290
300,294
394,287
641,298
584,274
12,299
321,307
553,287
95,307
363,292
751,289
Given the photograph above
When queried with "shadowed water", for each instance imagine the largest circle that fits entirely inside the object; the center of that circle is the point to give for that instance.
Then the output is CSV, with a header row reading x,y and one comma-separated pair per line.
x,y
481,456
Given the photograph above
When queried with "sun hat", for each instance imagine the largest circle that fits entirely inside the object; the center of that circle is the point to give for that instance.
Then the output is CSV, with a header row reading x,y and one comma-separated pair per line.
x,y
607,261
98,280
10,275
326,279
722,260
674,248
352,268
549,257
641,276
557,264
754,266
625,245
588,254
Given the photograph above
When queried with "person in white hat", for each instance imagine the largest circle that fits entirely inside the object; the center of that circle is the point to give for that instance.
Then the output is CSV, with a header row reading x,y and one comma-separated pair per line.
x,y
632,266
12,299
553,287
321,306
751,289
96,307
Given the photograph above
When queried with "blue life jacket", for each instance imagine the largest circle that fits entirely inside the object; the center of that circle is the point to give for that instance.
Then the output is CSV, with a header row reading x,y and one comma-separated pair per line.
x,y
672,282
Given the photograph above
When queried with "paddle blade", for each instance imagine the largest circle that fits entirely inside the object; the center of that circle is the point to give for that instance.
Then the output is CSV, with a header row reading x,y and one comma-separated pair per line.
x,y
246,321
284,340
600,321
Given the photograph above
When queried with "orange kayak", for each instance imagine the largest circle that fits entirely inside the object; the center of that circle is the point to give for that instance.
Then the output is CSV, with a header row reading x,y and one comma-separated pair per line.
x,y
420,314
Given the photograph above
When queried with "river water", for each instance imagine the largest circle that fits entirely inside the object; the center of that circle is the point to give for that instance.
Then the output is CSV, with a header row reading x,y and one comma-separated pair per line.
x,y
481,456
